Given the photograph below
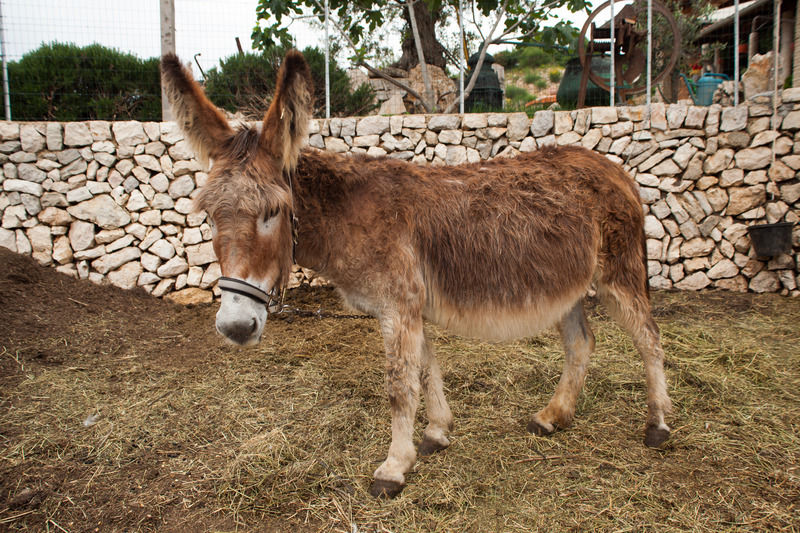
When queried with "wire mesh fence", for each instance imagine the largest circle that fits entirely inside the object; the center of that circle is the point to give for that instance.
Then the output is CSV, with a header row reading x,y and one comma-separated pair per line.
x,y
98,59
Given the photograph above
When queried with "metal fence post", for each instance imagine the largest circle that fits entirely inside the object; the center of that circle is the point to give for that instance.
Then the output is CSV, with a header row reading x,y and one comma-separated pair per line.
x,y
327,65
167,46
613,45
736,52
6,94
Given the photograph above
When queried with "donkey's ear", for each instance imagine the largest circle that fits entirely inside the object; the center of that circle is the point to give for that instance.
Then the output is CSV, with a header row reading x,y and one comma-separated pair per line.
x,y
286,121
204,126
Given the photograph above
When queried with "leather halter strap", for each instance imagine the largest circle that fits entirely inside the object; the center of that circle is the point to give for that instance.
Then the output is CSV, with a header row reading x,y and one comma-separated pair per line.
x,y
249,290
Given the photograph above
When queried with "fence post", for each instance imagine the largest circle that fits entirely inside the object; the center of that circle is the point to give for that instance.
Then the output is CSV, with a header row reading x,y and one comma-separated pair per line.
x,y
167,46
6,95
611,79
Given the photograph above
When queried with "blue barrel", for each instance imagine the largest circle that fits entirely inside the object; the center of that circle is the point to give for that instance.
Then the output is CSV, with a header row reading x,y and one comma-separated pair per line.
x,y
706,86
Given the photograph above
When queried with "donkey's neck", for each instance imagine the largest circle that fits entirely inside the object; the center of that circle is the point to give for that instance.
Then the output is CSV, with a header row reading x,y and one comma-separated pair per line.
x,y
327,188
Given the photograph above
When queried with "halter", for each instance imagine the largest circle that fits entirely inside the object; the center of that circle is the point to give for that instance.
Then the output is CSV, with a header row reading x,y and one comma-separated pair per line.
x,y
243,288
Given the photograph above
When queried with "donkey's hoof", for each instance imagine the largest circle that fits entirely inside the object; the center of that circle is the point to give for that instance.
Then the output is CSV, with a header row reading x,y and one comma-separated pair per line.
x,y
540,429
655,436
429,447
385,489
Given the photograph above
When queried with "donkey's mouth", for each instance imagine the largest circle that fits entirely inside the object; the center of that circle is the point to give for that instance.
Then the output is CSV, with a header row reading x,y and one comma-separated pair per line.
x,y
241,333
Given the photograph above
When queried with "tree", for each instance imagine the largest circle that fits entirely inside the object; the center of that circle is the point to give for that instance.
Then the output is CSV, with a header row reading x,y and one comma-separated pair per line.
x,y
245,82
66,82
521,19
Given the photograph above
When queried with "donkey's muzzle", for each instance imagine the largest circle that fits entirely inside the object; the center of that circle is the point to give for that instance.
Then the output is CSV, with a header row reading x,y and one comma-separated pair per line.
x,y
241,331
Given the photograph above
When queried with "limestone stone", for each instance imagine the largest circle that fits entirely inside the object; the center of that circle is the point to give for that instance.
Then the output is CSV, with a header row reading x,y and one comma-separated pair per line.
x,y
129,133
77,134
745,198
779,171
695,116
694,282
723,269
191,296
211,275
126,276
440,122
450,136
666,168
734,139
174,267
28,172
41,244
335,144
658,116
114,260
23,186
498,120
543,122
518,126
102,210
765,281
148,162
181,186
676,113
718,161
414,121
591,138
697,247
734,118
754,158
604,115
200,254
31,140
161,248
456,155
653,228
562,122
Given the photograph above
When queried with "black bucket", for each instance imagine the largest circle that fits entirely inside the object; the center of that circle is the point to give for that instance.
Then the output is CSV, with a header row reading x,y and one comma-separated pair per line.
x,y
771,239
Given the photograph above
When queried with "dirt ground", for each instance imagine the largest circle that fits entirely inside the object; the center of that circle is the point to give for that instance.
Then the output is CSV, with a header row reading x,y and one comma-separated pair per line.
x,y
121,412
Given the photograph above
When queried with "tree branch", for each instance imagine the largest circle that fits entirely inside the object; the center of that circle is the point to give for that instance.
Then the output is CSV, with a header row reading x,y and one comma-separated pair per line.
x,y
481,57
426,79
373,70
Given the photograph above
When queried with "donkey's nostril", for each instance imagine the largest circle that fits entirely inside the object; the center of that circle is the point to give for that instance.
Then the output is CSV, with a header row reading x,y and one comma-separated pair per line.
x,y
239,332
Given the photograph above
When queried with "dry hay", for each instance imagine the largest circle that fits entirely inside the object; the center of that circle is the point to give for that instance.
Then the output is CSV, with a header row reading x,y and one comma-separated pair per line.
x,y
188,433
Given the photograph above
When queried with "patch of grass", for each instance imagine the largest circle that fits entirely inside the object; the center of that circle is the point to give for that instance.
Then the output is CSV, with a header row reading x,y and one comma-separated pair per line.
x,y
532,77
554,75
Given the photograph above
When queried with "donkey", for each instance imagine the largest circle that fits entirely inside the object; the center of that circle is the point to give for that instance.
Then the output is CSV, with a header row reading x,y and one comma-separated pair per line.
x,y
495,250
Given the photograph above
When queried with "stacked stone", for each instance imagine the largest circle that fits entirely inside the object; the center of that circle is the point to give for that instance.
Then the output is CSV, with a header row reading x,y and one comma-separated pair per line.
x,y
112,202
108,202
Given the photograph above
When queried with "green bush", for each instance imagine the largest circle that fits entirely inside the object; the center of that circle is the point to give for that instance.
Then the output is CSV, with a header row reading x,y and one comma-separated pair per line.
x,y
245,83
532,78
65,82
518,94
555,75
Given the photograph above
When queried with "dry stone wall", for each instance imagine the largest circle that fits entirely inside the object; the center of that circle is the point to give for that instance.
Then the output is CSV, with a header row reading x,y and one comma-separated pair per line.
x,y
112,201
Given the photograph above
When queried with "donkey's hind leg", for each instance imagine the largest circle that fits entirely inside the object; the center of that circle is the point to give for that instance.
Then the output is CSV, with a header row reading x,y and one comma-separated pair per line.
x,y
578,344
631,309
440,419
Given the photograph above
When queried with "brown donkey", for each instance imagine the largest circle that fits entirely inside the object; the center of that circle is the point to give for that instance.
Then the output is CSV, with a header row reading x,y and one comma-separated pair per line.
x,y
494,250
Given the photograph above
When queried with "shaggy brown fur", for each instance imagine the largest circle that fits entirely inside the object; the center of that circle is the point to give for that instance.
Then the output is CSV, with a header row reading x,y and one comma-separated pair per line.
x,y
496,249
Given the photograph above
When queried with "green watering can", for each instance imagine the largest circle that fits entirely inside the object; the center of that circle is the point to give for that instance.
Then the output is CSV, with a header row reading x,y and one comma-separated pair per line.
x,y
702,90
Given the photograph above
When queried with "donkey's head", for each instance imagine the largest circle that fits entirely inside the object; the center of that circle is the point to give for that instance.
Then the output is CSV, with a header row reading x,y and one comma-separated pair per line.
x,y
248,196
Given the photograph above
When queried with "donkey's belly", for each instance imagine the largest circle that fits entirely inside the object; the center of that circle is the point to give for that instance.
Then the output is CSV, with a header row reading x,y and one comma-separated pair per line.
x,y
496,322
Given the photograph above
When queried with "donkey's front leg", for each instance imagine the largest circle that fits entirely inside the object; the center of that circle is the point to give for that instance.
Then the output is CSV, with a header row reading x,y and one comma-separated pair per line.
x,y
404,339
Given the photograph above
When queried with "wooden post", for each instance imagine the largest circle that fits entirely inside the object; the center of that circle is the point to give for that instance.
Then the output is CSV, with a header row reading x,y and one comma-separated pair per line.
x,y
167,45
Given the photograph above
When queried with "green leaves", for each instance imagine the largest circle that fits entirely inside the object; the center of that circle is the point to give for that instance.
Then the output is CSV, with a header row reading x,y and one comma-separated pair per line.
x,y
65,82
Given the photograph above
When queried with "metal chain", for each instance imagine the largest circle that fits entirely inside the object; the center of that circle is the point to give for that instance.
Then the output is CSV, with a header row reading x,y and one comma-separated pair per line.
x,y
287,312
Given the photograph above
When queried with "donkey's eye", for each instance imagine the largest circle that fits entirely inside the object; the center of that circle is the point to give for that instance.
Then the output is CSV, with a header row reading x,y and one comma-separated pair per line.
x,y
272,213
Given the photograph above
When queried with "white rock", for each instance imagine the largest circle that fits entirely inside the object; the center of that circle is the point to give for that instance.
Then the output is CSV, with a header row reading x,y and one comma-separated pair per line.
x,y
211,275
754,158
77,134
201,254
456,155
175,266
734,118
129,133
8,239
518,125
181,186
543,122
694,282
102,210
30,139
23,186
374,125
604,115
126,276
114,260
653,228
